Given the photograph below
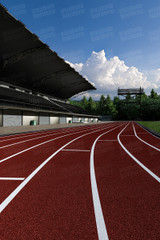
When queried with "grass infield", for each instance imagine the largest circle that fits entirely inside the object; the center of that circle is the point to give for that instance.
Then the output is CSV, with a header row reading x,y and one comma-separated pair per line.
x,y
152,125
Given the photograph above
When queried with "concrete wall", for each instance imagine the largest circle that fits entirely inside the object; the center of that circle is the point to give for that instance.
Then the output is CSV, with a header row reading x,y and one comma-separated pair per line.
x,y
76,119
68,119
86,120
18,118
1,118
44,119
62,120
12,118
54,120
95,119
83,119
28,116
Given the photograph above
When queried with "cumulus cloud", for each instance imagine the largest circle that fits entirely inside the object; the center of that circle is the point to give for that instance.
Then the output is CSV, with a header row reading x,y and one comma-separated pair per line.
x,y
154,76
109,75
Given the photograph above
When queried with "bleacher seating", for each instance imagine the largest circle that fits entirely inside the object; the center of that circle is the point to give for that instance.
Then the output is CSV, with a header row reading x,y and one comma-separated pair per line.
x,y
71,108
12,97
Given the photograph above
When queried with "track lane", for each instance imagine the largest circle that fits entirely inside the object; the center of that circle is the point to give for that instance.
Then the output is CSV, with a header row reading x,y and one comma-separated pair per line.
x,y
27,137
60,205
39,160
26,146
34,157
24,162
22,166
11,138
147,136
85,212
145,156
129,196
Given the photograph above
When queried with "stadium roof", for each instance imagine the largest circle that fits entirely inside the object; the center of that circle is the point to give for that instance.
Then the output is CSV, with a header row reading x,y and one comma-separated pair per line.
x,y
28,62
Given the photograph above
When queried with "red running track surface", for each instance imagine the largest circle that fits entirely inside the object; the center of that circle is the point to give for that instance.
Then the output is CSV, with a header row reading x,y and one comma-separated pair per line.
x,y
92,182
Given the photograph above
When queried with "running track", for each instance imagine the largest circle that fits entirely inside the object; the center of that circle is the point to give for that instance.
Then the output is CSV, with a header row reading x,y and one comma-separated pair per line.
x,y
90,182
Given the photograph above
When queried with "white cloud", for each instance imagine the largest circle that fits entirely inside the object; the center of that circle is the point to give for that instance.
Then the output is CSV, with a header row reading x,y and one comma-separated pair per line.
x,y
76,66
108,75
154,76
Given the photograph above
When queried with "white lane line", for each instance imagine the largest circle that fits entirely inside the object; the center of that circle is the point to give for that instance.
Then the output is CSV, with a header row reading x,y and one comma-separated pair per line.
x,y
148,132
75,150
135,159
11,178
29,135
37,145
100,223
143,140
31,139
22,185
35,134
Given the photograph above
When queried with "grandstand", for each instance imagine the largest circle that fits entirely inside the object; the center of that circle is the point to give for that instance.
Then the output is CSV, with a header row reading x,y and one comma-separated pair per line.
x,y
35,82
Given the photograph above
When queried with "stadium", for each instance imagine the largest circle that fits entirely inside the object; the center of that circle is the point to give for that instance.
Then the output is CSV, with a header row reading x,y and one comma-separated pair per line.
x,y
63,176
35,82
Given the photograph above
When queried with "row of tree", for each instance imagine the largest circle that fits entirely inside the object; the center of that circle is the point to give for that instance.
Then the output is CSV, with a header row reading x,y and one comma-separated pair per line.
x,y
130,108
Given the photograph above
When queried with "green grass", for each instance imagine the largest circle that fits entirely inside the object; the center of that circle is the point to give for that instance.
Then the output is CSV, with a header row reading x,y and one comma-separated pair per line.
x,y
152,125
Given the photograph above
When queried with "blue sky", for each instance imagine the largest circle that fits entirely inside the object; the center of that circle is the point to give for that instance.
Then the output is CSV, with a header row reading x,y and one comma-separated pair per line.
x,y
127,29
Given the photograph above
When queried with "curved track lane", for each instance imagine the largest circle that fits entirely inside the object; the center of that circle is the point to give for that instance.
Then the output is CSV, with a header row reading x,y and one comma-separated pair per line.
x,y
129,195
80,183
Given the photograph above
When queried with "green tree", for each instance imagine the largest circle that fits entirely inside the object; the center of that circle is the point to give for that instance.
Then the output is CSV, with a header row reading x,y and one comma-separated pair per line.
x,y
153,94
128,97
149,109
108,105
144,97
84,103
116,103
91,106
101,105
